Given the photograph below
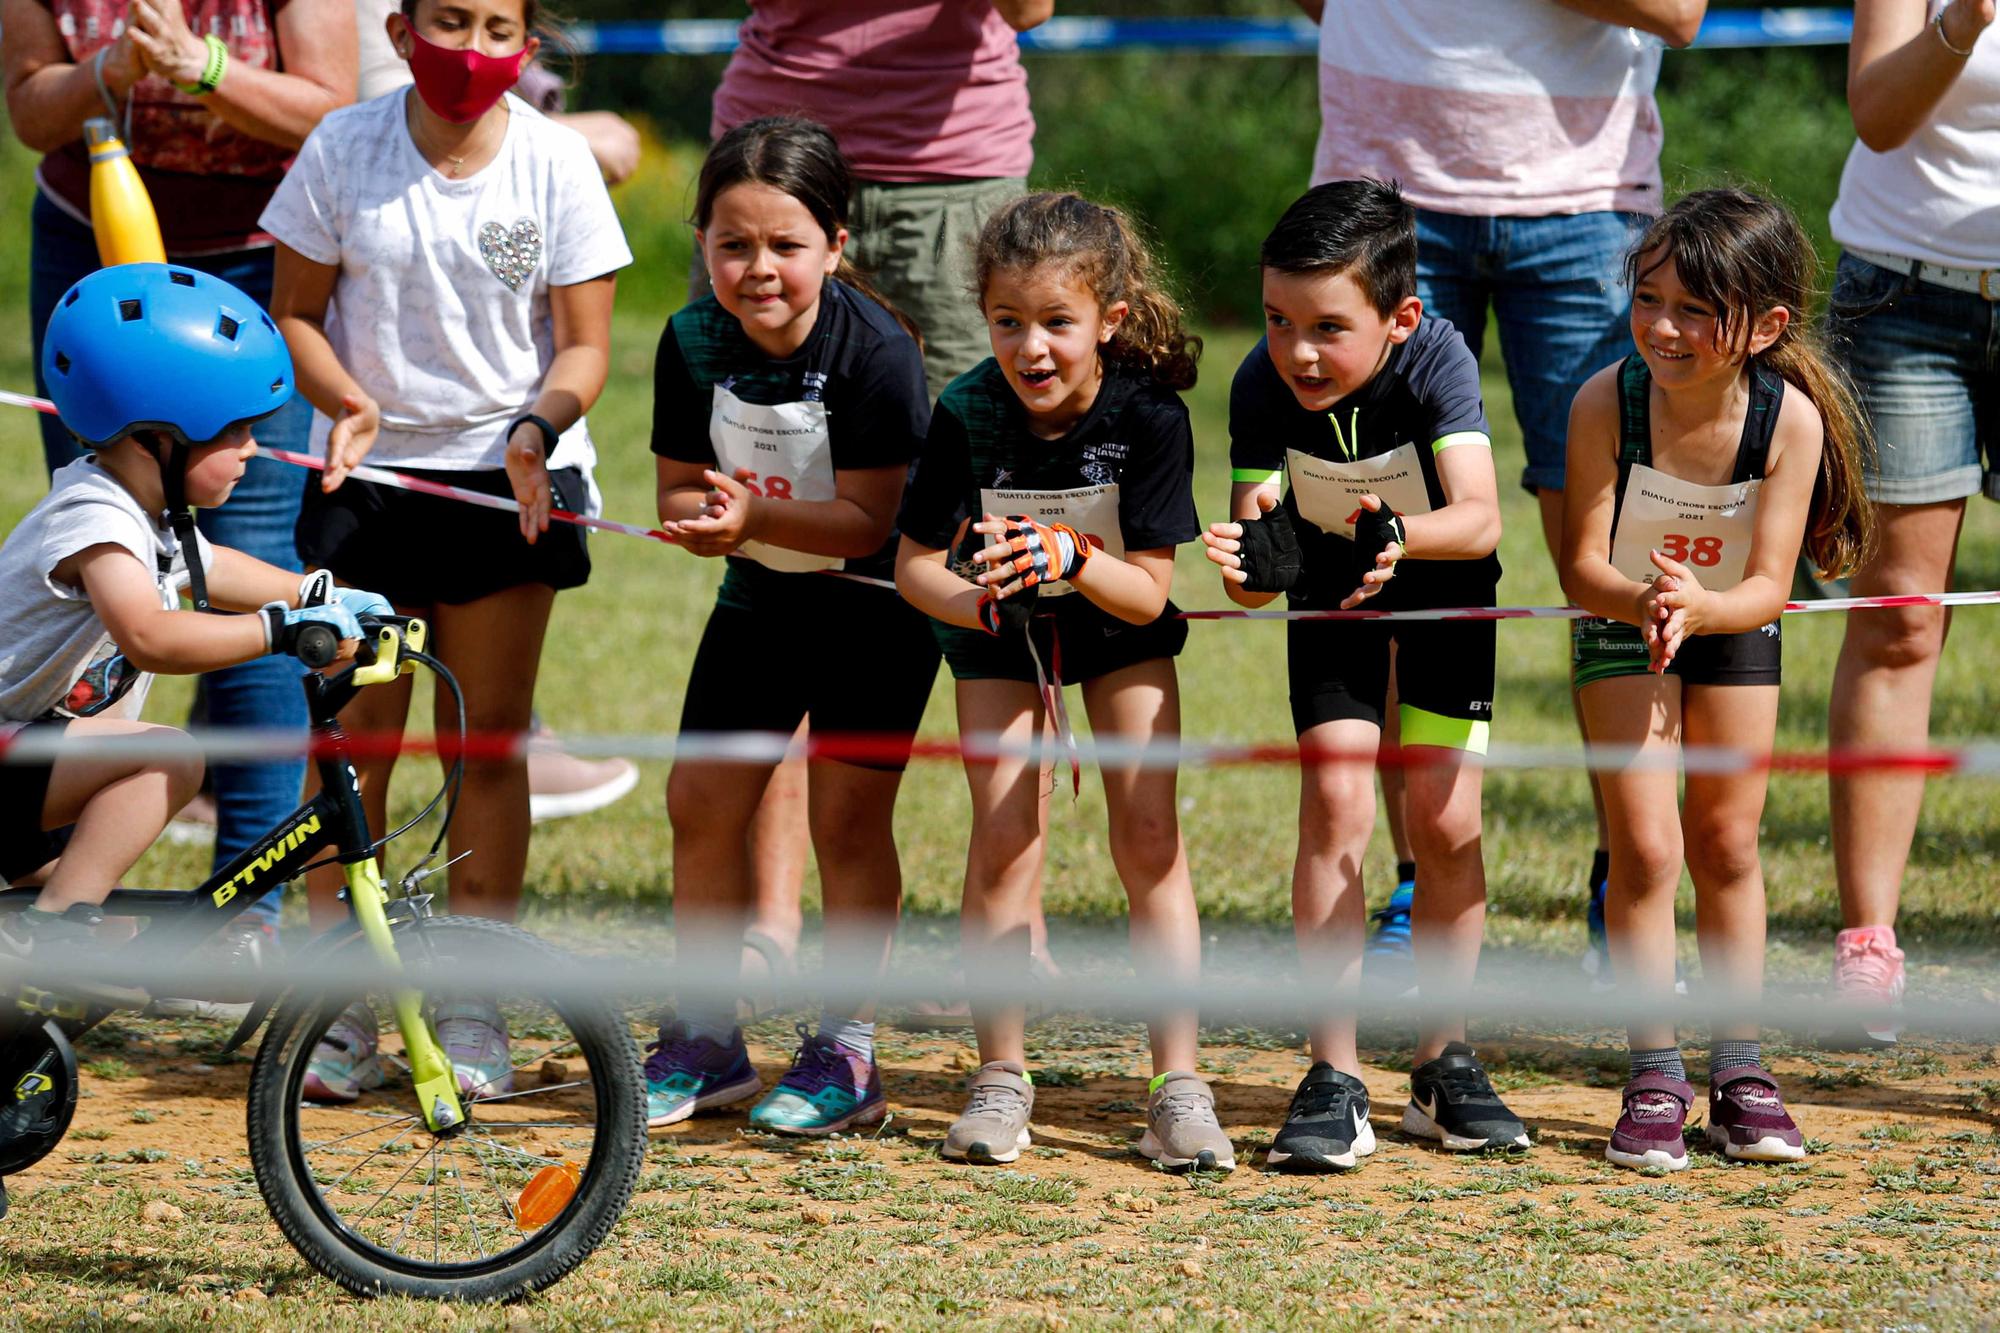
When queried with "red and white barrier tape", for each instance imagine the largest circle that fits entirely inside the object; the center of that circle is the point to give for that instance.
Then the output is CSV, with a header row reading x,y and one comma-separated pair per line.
x,y
233,745
424,486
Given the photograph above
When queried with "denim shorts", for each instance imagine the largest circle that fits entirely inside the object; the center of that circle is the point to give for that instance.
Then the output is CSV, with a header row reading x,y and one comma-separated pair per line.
x,y
1556,287
1926,360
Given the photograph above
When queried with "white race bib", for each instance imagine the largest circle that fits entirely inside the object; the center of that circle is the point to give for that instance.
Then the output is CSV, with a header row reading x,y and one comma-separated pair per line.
x,y
1706,528
1328,494
1091,510
789,455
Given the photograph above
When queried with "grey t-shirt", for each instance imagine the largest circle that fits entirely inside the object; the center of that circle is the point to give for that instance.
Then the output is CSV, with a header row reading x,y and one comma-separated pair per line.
x,y
56,657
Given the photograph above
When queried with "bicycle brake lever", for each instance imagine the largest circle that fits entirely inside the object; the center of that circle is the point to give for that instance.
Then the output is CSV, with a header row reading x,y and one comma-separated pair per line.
x,y
409,882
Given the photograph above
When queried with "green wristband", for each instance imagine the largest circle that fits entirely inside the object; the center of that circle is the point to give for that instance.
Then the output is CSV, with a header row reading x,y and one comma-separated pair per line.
x,y
211,72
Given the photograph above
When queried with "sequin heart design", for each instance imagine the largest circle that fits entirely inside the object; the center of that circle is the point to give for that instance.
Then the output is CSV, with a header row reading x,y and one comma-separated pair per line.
x,y
512,255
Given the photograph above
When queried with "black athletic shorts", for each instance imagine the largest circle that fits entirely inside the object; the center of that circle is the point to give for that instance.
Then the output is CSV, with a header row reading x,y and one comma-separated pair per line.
x,y
1077,640
1444,674
419,550
1601,649
851,657
24,844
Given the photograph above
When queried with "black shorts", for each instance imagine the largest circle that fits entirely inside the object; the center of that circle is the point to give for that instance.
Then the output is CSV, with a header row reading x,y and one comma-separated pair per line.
x,y
850,657
419,550
1601,649
24,844
1444,675
1077,640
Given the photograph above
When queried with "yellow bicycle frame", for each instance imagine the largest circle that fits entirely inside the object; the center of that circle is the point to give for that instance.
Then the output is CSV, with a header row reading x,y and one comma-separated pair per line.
x,y
436,1084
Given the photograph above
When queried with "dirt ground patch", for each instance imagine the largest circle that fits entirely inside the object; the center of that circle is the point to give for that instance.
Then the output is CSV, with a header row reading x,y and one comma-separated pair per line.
x,y
1893,1217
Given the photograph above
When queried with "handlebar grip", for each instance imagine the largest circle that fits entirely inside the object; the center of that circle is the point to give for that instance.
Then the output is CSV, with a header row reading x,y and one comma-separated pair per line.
x,y
317,645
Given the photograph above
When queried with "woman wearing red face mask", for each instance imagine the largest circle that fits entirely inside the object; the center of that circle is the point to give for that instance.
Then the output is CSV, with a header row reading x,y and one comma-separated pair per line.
x,y
446,262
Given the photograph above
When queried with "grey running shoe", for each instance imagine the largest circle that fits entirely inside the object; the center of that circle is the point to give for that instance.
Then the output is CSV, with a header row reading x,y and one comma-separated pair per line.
x,y
994,1127
1181,1129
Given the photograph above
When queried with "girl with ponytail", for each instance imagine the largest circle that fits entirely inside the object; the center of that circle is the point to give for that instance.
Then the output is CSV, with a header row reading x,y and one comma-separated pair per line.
x,y
1698,467
1039,533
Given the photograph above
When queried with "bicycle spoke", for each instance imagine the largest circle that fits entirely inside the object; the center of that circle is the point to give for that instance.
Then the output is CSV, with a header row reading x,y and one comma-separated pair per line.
x,y
537,1124
529,1092
518,1152
416,1205
372,1129
385,1193
549,1054
369,1158
465,1200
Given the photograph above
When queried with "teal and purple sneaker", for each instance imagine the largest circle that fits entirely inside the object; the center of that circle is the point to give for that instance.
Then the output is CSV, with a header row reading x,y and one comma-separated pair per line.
x,y
686,1074
829,1088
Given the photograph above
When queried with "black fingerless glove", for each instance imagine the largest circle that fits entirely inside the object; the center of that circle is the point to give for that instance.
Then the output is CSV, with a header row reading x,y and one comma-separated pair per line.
x,y
1001,616
1374,530
1269,552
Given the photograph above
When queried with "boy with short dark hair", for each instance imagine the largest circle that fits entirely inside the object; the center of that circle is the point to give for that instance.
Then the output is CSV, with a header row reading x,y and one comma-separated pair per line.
x,y
158,371
1371,409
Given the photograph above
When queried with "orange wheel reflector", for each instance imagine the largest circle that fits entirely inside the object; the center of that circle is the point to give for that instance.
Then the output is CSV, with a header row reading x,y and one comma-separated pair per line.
x,y
546,1195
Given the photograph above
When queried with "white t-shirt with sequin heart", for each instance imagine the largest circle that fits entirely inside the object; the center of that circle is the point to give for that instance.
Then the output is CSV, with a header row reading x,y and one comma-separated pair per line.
x,y
441,310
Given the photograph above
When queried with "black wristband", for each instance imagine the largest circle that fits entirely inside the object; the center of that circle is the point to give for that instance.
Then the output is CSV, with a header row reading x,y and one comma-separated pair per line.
x,y
549,433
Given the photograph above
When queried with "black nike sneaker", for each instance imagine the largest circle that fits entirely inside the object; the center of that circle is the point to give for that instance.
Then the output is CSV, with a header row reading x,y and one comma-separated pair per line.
x,y
1327,1127
1453,1102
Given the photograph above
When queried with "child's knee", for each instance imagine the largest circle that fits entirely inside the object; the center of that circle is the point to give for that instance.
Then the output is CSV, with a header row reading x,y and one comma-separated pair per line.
x,y
1146,844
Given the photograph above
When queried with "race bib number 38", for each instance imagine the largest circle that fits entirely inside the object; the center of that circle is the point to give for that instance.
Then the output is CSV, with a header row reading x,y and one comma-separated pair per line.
x,y
1706,528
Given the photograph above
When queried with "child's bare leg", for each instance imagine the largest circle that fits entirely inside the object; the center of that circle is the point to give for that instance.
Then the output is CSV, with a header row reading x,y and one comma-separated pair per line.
x,y
1448,919
1142,703
494,646
780,841
1003,860
1336,819
861,879
1643,816
710,806
119,804
1721,814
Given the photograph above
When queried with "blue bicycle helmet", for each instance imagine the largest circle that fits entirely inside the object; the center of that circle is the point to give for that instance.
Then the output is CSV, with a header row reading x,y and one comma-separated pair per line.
x,y
161,347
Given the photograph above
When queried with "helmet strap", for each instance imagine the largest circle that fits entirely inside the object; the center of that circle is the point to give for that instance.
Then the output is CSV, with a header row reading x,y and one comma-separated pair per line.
x,y
173,485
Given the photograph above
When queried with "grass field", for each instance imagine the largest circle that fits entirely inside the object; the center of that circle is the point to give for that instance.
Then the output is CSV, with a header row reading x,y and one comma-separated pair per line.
x,y
1893,1219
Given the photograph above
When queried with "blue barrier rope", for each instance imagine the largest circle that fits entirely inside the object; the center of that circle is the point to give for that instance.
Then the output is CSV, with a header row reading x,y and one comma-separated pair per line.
x,y
1726,28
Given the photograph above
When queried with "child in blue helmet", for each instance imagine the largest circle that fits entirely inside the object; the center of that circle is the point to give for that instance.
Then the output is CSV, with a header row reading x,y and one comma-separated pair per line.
x,y
158,371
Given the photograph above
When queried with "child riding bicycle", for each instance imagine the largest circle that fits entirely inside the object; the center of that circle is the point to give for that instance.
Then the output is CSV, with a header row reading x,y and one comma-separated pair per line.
x,y
159,372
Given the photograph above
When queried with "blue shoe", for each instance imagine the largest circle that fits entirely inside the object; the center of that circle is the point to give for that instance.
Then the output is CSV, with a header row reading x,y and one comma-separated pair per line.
x,y
1387,961
686,1074
828,1088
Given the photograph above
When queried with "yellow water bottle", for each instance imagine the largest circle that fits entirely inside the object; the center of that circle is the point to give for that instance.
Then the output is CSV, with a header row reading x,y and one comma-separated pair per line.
x,y
121,212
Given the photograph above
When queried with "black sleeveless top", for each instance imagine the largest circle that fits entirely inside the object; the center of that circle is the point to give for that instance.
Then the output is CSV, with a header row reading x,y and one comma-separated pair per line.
x,y
1635,425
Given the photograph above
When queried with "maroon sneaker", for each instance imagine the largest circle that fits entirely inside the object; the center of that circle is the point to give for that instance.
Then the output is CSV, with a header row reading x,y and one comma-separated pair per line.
x,y
1649,1132
1747,1119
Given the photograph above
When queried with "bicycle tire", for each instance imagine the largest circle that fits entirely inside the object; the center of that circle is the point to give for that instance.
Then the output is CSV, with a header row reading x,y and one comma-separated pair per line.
x,y
279,1151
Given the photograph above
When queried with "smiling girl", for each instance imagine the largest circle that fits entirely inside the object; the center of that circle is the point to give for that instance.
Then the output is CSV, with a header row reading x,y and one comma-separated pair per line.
x,y
787,406
1697,467
1039,531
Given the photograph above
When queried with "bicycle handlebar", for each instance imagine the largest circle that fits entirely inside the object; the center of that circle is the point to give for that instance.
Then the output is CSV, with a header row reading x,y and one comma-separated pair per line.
x,y
379,655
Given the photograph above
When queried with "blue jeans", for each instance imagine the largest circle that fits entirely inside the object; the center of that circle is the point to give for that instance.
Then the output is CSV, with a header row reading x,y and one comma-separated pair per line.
x,y
1556,286
250,799
1926,360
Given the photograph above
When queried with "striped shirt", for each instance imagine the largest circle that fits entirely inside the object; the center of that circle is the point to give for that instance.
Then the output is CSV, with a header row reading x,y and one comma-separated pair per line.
x,y
1530,110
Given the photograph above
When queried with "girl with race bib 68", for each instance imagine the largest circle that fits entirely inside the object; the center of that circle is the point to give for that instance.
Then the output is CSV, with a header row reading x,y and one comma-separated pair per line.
x,y
787,406
1039,531
1697,467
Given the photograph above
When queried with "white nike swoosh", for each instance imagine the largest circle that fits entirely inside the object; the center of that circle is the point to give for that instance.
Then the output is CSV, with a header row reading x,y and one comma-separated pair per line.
x,y
1360,1119
1430,1111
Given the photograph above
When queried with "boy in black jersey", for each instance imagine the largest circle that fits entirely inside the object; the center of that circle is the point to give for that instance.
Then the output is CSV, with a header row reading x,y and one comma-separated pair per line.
x,y
1371,410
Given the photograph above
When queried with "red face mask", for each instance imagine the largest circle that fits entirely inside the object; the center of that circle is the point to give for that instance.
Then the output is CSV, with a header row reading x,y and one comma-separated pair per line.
x,y
460,84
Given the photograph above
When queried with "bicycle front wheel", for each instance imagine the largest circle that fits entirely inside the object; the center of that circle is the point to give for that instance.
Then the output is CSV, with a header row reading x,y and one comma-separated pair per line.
x,y
503,1204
